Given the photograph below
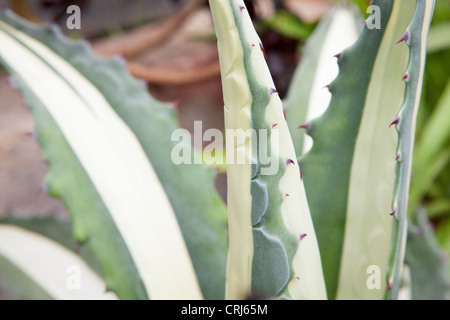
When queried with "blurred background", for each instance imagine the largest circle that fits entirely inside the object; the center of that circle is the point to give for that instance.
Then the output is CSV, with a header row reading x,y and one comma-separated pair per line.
x,y
171,45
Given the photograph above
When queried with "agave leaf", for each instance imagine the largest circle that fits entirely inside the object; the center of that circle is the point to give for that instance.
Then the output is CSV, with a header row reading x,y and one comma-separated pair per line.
x,y
57,229
44,269
108,145
443,235
307,97
438,38
355,165
270,254
430,156
426,260
415,37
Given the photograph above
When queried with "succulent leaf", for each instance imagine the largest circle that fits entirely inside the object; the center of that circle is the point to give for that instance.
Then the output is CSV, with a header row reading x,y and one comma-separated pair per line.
x,y
267,206
416,40
350,172
308,96
426,261
128,200
28,258
430,156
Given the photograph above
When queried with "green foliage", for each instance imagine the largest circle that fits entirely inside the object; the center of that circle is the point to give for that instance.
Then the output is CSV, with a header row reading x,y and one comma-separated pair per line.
x,y
427,264
94,222
430,189
352,190
264,223
286,24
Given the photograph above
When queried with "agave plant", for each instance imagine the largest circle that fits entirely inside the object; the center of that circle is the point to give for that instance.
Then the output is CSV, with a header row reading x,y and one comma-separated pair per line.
x,y
322,223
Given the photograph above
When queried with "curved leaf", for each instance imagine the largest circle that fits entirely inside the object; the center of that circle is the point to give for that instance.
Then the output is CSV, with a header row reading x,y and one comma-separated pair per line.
x,y
270,254
108,144
308,97
350,173
46,269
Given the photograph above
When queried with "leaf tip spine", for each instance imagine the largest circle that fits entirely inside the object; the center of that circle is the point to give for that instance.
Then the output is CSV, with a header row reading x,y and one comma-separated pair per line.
x,y
305,126
289,161
395,122
405,38
272,91
389,286
405,77
394,210
263,51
